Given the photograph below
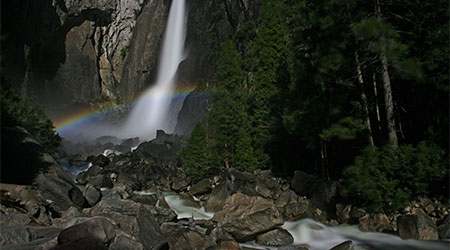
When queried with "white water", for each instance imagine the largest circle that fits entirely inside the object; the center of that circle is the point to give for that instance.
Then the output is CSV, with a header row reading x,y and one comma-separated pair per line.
x,y
315,235
150,111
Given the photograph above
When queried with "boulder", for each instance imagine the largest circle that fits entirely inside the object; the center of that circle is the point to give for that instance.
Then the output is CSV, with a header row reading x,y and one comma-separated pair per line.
x,y
93,230
139,220
156,199
444,228
100,181
99,160
151,150
276,237
187,240
122,242
321,192
10,235
418,227
217,198
92,195
219,234
180,182
374,223
201,187
346,245
228,245
245,217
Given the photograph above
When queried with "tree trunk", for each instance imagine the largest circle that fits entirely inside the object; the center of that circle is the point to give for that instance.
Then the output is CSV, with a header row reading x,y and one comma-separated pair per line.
x,y
377,106
389,104
364,100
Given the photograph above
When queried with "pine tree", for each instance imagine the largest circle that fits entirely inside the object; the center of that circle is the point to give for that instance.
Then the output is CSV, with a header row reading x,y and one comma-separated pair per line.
x,y
197,156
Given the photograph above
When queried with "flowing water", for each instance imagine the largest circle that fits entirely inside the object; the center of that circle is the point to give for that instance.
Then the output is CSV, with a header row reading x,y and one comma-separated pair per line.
x,y
150,111
315,235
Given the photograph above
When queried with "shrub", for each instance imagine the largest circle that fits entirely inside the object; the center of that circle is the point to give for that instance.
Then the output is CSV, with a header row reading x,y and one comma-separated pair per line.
x,y
17,111
387,179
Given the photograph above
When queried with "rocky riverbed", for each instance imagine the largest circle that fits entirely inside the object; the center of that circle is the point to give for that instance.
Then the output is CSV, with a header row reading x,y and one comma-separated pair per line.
x,y
139,197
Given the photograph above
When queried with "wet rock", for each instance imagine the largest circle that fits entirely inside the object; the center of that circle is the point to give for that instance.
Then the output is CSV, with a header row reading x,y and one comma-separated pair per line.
x,y
201,187
245,217
276,237
417,227
187,239
92,230
92,195
157,199
346,245
295,247
217,198
122,242
374,223
143,49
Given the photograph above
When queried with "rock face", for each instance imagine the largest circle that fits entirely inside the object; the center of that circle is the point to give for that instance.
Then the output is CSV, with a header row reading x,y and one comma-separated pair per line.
x,y
26,162
194,110
139,66
419,227
75,51
244,217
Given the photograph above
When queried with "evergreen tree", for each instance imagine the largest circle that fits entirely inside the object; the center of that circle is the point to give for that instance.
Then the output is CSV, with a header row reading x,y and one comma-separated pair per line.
x,y
197,156
270,53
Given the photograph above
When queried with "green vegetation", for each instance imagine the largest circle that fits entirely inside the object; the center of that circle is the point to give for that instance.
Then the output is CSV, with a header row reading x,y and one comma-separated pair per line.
x,y
341,89
388,178
17,111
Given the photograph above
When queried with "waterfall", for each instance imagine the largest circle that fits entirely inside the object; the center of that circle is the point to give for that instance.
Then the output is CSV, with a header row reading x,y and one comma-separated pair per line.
x,y
150,111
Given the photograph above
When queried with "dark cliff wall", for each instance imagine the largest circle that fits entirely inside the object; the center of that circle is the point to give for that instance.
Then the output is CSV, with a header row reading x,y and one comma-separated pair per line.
x,y
65,52
210,23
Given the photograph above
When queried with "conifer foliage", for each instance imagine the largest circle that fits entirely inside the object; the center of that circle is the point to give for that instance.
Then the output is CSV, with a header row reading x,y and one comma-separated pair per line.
x,y
348,90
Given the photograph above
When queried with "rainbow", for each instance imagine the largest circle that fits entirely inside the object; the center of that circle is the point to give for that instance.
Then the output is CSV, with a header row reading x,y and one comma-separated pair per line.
x,y
86,115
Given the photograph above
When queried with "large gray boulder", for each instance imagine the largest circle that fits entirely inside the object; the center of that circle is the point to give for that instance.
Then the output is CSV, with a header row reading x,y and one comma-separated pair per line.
x,y
418,227
245,217
139,220
100,229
